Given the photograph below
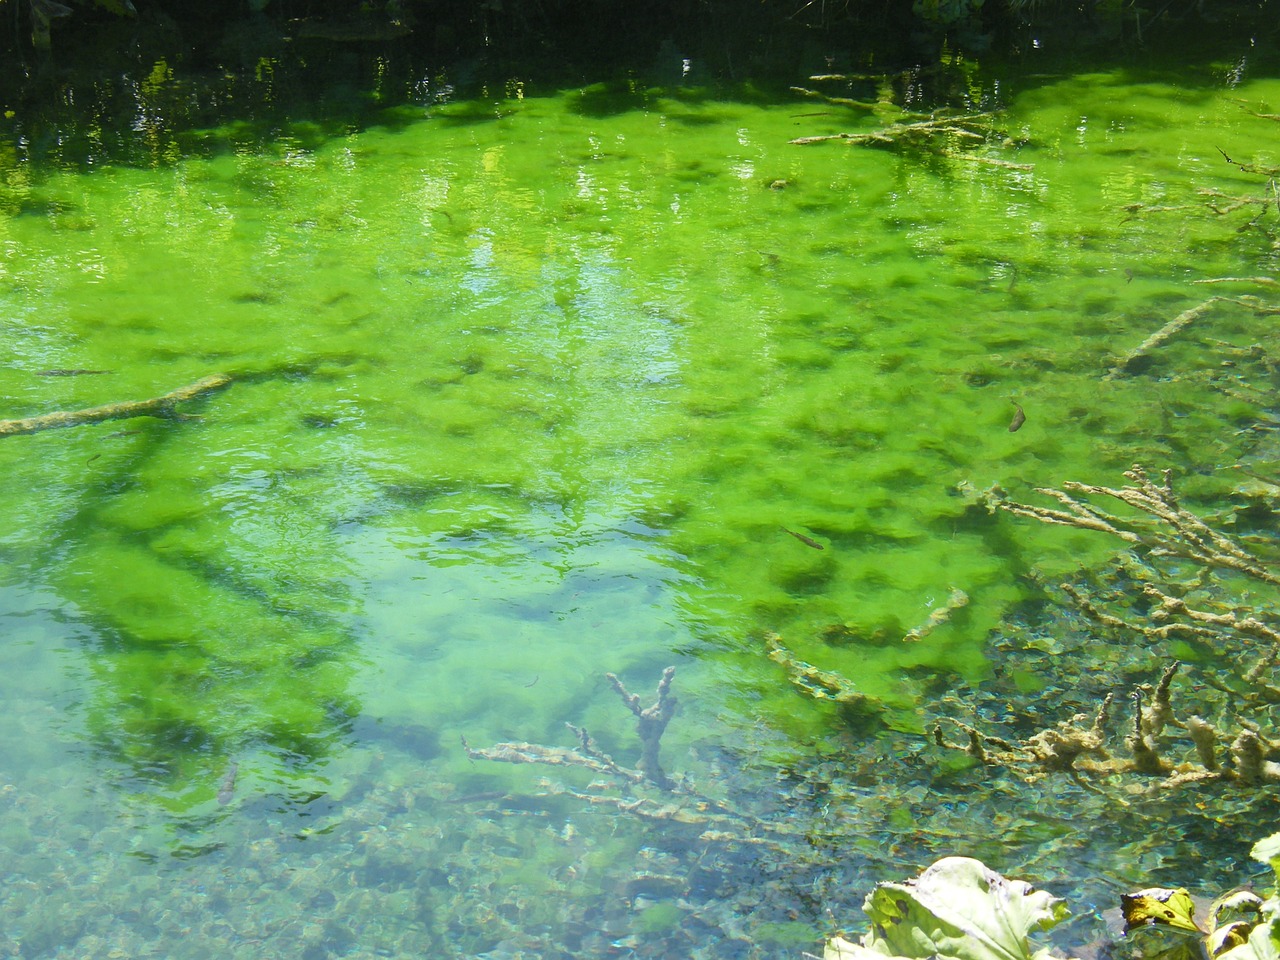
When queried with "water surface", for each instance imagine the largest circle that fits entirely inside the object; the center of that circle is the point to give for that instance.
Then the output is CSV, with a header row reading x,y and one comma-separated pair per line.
x,y
533,387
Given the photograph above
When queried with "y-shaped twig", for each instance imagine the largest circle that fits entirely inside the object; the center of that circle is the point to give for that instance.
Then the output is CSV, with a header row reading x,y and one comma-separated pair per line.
x,y
651,723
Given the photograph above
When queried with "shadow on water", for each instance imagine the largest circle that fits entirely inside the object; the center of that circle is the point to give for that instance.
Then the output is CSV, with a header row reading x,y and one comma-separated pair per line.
x,y
176,696
151,102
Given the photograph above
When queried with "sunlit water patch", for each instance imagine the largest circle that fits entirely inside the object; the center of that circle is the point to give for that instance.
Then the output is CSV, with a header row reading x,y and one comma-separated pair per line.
x,y
531,391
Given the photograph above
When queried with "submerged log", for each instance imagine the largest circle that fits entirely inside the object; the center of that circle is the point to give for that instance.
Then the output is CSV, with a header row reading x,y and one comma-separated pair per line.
x,y
1136,359
156,407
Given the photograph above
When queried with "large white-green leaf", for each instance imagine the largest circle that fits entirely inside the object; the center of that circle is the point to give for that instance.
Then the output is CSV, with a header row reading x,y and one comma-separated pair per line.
x,y
958,909
1267,850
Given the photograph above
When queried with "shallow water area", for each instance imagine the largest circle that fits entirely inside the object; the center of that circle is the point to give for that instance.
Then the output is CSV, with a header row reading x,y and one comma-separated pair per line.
x,y
529,389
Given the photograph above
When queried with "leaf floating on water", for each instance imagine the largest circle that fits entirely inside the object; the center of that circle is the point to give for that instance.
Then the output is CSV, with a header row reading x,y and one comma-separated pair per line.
x,y
1159,906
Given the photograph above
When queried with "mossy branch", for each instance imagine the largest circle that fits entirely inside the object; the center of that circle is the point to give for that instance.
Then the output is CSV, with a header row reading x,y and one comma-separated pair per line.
x,y
164,407
717,820
651,723
834,101
1080,747
1135,360
972,126
1156,526
810,680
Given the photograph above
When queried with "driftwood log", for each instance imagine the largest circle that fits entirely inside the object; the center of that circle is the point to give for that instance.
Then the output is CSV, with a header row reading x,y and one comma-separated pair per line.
x,y
164,406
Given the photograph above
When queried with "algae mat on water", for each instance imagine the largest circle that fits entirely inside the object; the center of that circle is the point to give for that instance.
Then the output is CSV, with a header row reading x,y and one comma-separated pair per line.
x,y
528,391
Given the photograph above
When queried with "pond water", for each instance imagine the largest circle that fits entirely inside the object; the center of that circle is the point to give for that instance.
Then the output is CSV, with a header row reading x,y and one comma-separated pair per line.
x,y
541,384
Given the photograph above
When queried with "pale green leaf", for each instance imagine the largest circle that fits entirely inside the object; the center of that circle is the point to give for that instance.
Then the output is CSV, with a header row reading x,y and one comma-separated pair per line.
x,y
1267,850
1227,937
1161,906
1233,907
838,948
958,909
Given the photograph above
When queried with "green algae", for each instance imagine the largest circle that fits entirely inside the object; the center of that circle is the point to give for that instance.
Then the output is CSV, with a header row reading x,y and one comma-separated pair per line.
x,y
533,391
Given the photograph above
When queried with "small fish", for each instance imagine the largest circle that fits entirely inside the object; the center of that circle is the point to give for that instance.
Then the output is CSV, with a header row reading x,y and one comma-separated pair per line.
x,y
228,788
1129,276
70,373
533,681
1019,418
807,541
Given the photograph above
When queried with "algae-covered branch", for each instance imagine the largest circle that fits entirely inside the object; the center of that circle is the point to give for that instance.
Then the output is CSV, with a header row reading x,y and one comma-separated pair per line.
x,y
164,407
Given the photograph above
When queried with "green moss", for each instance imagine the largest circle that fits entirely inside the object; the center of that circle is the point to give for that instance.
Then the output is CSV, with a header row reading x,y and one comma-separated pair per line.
x,y
505,419
658,919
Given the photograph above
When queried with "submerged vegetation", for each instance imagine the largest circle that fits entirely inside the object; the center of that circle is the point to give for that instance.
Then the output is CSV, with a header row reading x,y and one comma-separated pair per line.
x,y
542,384
1184,592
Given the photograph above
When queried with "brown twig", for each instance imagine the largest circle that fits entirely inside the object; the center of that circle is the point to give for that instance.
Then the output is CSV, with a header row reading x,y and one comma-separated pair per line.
x,y
919,131
164,406
1175,531
651,723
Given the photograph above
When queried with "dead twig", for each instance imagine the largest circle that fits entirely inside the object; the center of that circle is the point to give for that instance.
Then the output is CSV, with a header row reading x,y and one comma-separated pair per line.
x,y
164,407
1132,361
651,723
974,126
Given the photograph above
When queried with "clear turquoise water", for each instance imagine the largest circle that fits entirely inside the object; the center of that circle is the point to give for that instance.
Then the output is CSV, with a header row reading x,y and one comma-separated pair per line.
x,y
527,389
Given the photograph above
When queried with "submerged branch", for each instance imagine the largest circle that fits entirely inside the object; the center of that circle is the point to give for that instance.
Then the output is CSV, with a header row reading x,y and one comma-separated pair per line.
x,y
1132,361
1156,610
835,101
810,680
1079,746
1251,167
1168,528
651,723
1261,281
974,126
157,407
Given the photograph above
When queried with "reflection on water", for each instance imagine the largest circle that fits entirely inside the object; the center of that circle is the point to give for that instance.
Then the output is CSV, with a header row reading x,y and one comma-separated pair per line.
x,y
527,390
